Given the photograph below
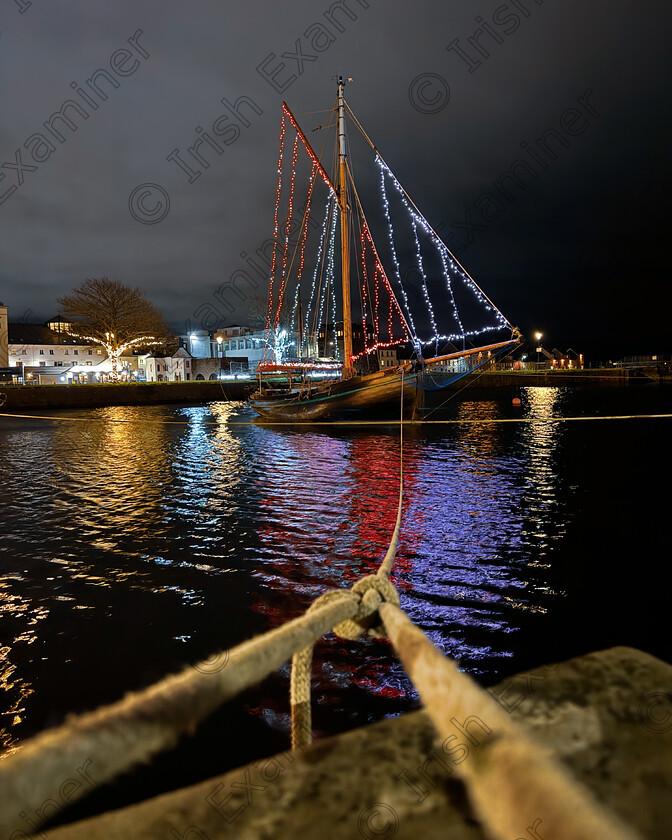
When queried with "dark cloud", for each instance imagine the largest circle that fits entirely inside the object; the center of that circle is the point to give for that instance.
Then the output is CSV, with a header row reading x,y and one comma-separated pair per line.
x,y
577,253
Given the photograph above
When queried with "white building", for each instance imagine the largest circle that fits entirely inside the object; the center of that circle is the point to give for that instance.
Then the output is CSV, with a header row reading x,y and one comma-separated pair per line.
x,y
174,368
47,353
242,345
42,346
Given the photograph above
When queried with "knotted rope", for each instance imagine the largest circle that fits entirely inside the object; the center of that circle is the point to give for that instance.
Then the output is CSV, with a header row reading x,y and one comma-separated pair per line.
x,y
367,595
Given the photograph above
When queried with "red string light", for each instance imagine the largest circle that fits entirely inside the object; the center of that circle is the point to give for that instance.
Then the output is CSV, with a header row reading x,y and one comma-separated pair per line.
x,y
288,224
380,282
275,225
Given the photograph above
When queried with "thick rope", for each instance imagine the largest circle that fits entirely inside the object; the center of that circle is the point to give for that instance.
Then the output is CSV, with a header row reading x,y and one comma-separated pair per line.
x,y
372,590
128,733
507,776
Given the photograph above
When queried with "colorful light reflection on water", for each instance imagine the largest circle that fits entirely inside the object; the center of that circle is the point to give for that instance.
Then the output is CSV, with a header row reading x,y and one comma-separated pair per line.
x,y
131,548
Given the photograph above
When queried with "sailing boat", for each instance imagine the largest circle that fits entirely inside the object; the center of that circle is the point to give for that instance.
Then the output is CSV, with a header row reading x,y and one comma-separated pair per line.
x,y
405,312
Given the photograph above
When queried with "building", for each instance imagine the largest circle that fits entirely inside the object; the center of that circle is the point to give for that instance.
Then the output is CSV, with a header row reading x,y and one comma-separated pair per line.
x,y
569,360
240,348
158,367
4,337
326,343
47,353
387,357
35,346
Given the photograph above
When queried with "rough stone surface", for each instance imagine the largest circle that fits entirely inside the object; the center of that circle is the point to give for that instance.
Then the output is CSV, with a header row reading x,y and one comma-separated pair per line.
x,y
606,715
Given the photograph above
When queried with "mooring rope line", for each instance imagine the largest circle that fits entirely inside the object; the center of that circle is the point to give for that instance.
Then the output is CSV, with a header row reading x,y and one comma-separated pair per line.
x,y
259,423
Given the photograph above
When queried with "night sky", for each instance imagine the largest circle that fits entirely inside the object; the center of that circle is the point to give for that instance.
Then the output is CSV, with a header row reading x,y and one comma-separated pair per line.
x,y
580,252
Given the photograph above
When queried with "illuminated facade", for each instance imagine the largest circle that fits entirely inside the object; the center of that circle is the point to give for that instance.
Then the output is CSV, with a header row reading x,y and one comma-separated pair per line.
x,y
39,346
4,338
176,367
241,347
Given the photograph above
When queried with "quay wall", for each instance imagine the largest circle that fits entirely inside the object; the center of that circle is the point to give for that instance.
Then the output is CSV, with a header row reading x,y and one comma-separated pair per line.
x,y
32,397
136,393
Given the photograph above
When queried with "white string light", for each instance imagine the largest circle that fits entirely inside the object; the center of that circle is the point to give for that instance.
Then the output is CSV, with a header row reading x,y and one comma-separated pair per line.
x,y
449,267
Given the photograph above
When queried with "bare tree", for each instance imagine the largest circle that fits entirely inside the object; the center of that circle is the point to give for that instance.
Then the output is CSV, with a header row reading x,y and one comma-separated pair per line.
x,y
258,312
115,316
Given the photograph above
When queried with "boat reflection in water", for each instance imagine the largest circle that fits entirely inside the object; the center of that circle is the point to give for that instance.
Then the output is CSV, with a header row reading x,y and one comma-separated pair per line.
x,y
478,500
163,534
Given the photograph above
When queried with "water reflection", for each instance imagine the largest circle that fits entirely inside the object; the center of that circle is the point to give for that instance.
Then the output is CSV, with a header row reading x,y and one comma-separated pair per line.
x,y
542,526
173,532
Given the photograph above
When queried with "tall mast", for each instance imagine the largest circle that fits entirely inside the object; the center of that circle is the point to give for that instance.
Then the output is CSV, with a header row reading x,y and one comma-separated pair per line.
x,y
345,241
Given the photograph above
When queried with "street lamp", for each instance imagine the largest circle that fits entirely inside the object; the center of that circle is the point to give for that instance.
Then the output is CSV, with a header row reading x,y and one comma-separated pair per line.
x,y
538,336
219,345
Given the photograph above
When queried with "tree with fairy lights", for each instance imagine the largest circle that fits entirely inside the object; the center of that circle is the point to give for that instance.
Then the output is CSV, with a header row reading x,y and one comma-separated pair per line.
x,y
117,317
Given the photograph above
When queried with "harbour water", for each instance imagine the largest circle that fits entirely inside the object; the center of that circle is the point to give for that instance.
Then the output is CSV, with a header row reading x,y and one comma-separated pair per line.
x,y
137,540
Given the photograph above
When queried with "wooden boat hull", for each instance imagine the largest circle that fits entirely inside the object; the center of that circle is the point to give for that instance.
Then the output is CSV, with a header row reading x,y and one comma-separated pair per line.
x,y
343,399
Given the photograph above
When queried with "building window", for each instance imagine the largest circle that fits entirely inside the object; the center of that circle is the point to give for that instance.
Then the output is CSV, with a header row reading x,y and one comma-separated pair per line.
x,y
41,352
42,364
76,352
51,352
90,352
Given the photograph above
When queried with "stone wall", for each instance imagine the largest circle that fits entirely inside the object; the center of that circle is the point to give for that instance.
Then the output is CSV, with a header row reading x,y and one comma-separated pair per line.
x,y
205,368
30,397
